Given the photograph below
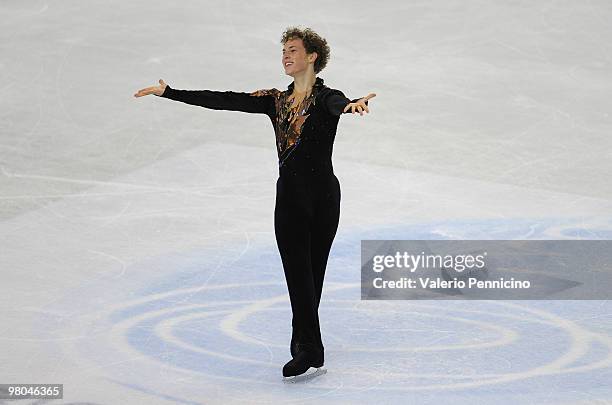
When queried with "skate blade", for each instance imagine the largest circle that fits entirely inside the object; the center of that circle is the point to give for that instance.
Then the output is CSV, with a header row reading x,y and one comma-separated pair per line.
x,y
308,375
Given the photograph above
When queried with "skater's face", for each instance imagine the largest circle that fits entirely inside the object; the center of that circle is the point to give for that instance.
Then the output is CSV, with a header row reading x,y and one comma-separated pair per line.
x,y
295,59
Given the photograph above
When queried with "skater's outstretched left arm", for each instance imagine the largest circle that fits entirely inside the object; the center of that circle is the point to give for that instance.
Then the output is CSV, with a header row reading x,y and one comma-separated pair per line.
x,y
337,103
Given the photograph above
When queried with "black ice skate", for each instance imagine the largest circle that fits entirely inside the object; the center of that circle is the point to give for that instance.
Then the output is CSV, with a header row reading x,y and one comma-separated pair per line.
x,y
299,368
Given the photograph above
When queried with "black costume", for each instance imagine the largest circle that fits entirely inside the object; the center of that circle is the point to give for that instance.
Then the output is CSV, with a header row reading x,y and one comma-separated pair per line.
x,y
307,191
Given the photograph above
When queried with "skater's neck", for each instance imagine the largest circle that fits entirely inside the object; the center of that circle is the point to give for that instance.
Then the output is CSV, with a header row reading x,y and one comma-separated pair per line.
x,y
302,83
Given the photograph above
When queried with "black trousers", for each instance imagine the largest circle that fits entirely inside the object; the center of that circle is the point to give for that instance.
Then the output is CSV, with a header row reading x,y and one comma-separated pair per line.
x,y
306,218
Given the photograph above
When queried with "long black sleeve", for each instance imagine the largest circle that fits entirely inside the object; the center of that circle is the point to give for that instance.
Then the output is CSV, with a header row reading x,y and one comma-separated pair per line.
x,y
335,102
223,100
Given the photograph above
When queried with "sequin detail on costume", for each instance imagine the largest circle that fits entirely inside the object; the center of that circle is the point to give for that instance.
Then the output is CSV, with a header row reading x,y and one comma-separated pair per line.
x,y
289,121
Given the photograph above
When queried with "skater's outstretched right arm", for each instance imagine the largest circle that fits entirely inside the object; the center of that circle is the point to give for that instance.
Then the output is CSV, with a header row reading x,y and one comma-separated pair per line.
x,y
257,102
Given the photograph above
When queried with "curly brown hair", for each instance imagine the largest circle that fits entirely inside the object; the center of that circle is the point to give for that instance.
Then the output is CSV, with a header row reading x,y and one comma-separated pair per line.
x,y
312,41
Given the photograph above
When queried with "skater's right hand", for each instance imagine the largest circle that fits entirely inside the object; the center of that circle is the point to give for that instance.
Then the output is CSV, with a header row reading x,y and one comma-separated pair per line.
x,y
157,90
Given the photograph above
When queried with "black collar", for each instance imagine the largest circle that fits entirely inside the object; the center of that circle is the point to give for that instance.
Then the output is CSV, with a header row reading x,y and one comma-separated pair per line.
x,y
318,83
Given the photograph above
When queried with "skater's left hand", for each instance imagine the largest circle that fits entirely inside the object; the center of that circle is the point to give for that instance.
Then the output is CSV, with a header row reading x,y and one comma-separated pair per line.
x,y
360,105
